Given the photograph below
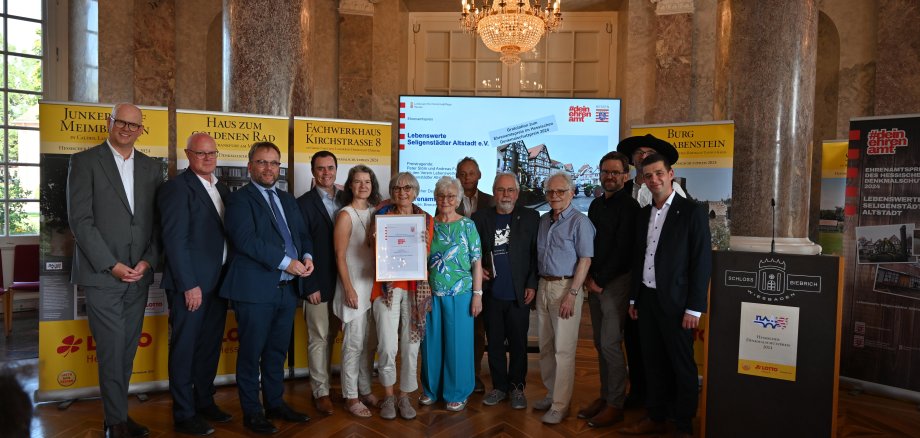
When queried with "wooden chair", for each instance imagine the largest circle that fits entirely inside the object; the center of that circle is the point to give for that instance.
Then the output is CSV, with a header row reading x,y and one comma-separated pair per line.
x,y
25,277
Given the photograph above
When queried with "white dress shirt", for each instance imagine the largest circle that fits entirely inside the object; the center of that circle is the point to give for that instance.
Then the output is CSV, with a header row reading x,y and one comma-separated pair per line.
x,y
125,168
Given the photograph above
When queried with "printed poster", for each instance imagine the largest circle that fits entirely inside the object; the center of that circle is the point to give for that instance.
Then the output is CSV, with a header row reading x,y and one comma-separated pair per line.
x,y
833,186
66,349
768,340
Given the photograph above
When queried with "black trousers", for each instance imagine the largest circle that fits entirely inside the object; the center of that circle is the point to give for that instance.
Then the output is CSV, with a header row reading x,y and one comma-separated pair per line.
x,y
667,350
506,321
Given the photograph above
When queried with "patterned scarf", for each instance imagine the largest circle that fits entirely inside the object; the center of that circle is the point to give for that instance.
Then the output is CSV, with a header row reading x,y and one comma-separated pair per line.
x,y
419,291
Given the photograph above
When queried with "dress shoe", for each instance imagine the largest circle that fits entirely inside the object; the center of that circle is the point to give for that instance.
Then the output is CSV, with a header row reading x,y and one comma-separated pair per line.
x,y
259,424
193,426
119,430
643,427
215,414
592,409
136,430
608,416
323,405
284,412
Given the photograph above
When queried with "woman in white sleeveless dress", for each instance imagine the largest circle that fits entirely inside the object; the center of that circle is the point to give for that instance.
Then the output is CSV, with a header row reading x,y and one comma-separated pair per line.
x,y
355,262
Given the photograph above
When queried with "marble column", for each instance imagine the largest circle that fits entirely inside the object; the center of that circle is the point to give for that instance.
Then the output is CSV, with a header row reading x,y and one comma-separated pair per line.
x,y
83,51
116,51
765,82
262,44
355,59
673,55
155,52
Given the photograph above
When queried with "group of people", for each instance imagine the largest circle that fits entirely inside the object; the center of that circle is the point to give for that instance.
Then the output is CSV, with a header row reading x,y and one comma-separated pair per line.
x,y
643,269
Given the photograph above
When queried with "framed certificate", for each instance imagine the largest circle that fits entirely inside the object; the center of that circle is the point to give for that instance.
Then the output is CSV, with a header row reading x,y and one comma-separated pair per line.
x,y
402,253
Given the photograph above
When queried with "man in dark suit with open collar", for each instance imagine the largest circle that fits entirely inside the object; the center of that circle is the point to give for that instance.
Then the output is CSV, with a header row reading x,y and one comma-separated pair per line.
x,y
192,217
270,250
111,194
670,284
318,207
509,251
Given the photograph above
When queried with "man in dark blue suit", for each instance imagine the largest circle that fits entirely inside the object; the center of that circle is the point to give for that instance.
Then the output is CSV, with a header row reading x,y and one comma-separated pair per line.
x,y
191,215
268,240
670,283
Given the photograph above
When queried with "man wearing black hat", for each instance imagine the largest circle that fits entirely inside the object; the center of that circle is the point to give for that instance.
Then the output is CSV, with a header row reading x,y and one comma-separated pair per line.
x,y
637,148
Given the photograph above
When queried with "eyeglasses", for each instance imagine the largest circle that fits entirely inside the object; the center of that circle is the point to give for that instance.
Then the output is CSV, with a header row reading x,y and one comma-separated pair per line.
x,y
264,163
203,154
447,197
612,172
555,193
123,124
405,188
643,152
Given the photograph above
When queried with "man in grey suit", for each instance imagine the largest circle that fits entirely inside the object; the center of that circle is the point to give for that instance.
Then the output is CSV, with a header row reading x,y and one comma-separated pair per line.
x,y
111,194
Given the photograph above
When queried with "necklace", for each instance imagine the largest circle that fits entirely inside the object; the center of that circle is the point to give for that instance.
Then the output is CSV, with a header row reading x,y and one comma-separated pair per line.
x,y
360,219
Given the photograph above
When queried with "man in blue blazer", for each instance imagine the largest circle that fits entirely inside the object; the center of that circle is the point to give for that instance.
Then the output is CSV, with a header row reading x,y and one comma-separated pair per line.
x,y
192,219
270,250
670,284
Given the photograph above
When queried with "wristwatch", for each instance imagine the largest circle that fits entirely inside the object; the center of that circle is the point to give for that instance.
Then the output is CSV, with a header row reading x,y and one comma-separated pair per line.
x,y
573,291
477,292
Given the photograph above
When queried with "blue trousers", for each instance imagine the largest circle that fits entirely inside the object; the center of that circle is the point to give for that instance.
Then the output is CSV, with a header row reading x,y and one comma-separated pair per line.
x,y
447,350
265,334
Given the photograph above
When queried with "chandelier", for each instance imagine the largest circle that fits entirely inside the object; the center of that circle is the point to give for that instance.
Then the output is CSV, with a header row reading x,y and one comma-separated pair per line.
x,y
510,28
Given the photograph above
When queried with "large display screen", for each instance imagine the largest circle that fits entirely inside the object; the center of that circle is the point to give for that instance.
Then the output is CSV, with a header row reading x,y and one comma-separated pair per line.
x,y
530,137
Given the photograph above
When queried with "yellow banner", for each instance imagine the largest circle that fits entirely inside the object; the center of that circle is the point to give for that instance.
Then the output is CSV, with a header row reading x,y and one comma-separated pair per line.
x,y
834,159
699,145
67,354
68,128
353,142
234,133
766,369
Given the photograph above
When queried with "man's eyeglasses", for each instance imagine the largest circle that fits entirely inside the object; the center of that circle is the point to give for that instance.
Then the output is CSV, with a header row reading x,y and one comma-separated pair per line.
x,y
264,163
405,188
555,193
123,124
504,190
203,154
612,172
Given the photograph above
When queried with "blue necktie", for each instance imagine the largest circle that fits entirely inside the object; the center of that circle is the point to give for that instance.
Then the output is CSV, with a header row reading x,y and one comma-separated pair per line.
x,y
282,225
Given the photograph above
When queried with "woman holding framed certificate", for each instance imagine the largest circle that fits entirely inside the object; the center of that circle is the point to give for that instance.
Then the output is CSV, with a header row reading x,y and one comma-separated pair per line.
x,y
455,276
400,300
355,262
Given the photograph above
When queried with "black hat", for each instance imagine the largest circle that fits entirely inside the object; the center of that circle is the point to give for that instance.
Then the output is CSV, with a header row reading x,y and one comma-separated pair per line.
x,y
630,144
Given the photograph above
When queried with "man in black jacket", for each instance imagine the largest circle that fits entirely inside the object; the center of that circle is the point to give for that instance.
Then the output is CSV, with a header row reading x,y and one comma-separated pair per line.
x,y
673,262
614,218
509,249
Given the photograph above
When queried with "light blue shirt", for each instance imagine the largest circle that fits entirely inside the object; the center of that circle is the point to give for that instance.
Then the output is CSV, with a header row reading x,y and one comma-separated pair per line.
x,y
330,202
561,243
286,260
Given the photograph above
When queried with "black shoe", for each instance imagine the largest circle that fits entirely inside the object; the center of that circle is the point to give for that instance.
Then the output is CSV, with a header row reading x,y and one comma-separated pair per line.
x,y
258,424
194,426
119,430
136,430
284,412
215,414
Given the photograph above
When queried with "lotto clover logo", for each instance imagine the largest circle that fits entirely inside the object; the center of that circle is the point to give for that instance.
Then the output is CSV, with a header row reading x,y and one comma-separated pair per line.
x,y
70,344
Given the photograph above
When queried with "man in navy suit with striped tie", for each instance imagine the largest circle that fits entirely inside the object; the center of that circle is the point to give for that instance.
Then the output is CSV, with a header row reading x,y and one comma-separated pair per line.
x,y
271,251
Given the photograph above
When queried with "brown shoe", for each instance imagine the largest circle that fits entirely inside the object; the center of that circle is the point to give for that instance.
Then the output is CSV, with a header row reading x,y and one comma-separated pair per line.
x,y
323,405
608,416
593,409
644,426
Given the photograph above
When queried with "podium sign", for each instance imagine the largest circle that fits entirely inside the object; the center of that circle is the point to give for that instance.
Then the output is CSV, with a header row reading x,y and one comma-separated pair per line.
x,y
772,354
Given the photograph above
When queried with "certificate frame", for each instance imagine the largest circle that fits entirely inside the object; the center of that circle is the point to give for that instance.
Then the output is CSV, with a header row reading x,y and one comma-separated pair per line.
x,y
401,250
